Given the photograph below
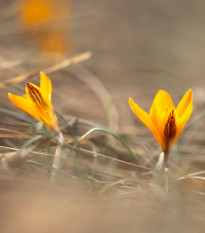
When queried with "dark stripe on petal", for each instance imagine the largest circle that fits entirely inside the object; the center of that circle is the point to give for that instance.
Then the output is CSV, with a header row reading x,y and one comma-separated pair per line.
x,y
170,131
35,95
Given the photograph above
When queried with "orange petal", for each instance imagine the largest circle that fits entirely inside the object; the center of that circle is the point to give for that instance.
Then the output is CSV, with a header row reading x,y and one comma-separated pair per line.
x,y
157,116
162,104
46,87
141,114
185,118
50,120
144,117
185,102
25,105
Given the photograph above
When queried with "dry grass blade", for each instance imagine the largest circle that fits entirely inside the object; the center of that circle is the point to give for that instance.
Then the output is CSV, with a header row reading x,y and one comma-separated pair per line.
x,y
15,157
87,152
9,133
194,175
63,64
76,59
10,159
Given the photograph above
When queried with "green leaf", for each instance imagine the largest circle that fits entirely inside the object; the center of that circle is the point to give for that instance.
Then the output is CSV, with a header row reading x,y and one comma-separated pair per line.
x,y
132,155
17,115
30,141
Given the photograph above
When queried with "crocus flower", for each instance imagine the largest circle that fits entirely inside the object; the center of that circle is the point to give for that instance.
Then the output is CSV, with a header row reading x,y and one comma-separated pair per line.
x,y
165,121
36,13
37,102
43,14
54,44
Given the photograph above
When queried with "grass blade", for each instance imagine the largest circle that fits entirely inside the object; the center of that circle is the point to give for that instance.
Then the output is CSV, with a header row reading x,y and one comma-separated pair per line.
x,y
132,155
30,141
17,115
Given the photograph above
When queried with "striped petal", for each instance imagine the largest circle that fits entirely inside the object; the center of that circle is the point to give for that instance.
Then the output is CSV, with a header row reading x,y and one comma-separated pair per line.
x,y
169,129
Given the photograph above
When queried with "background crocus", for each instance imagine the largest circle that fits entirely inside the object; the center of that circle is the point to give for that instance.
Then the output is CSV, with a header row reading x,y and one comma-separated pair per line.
x,y
46,22
165,121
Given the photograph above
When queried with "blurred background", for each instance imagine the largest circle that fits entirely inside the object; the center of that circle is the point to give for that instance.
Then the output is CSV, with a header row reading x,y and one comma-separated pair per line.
x,y
137,47
142,46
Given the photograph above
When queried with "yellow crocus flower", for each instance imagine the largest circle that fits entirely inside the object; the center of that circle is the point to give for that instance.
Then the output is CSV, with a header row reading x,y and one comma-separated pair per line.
x,y
37,102
43,14
36,13
165,121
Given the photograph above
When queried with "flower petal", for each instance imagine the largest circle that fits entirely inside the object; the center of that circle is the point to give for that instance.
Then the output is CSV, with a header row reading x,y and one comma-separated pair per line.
x,y
185,118
28,92
144,117
162,104
141,114
157,116
46,87
25,105
160,110
185,102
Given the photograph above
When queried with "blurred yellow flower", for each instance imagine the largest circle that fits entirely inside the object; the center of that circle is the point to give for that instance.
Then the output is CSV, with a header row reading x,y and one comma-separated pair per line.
x,y
54,44
35,13
38,14
165,121
37,102
46,21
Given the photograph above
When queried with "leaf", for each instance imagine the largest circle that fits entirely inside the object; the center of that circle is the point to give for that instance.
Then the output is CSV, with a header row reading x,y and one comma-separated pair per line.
x,y
132,155
17,115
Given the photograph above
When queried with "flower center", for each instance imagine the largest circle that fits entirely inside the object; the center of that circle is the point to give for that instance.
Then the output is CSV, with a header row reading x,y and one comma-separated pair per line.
x,y
36,97
170,131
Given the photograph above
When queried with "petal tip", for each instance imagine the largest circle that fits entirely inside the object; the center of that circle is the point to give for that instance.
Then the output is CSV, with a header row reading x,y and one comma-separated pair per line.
x,y
190,96
190,92
130,99
131,102
45,80
42,73
10,95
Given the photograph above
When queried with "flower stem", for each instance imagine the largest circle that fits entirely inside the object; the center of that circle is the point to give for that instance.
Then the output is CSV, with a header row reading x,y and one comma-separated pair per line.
x,y
165,162
166,179
166,171
58,154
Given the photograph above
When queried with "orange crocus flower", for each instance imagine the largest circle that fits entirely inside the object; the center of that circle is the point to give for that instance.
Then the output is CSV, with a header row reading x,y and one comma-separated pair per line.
x,y
165,121
37,102
43,14
36,13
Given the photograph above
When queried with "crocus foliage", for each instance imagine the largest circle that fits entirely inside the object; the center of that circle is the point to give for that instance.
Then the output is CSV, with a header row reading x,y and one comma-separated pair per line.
x,y
164,120
37,102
